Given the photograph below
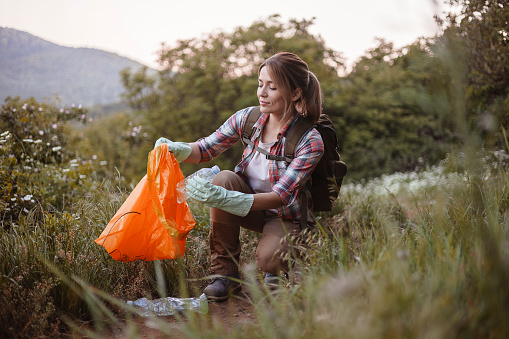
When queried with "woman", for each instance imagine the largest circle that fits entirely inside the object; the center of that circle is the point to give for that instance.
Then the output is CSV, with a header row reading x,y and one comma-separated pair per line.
x,y
260,195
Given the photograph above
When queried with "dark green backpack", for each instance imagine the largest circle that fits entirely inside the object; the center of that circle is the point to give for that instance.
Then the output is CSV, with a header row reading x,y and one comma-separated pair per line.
x,y
327,177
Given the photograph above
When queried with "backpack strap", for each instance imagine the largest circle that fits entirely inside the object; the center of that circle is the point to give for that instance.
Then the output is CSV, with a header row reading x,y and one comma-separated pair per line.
x,y
301,127
247,133
294,136
247,129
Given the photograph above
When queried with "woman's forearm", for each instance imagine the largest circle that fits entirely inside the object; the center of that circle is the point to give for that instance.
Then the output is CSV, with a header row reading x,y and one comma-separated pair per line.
x,y
195,155
265,201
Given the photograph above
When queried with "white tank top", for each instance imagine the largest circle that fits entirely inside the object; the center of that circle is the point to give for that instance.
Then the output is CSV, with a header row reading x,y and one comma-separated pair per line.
x,y
257,171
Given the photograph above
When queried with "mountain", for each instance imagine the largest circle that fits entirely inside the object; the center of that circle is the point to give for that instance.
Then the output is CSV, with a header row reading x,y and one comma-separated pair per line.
x,y
33,67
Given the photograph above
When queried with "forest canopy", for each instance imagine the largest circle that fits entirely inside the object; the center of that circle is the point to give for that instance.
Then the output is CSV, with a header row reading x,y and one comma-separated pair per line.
x,y
396,110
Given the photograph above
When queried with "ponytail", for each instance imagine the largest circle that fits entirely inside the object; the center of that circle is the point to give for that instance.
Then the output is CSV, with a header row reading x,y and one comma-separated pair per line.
x,y
311,103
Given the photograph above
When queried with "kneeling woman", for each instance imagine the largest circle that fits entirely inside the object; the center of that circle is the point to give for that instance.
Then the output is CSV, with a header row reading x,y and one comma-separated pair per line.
x,y
260,195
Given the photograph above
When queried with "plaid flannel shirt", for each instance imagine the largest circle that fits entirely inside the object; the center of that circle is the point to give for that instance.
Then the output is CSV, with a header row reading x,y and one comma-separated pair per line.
x,y
287,179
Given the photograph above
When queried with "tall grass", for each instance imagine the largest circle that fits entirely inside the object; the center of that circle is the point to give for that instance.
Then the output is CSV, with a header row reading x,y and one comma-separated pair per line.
x,y
416,255
428,262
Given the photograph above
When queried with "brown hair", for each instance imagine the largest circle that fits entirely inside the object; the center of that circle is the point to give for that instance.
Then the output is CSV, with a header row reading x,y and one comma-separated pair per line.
x,y
289,72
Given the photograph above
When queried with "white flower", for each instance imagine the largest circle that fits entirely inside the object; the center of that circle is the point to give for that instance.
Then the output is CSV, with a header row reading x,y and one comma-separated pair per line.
x,y
4,134
65,170
38,141
41,132
54,126
28,197
28,140
57,148
103,163
82,176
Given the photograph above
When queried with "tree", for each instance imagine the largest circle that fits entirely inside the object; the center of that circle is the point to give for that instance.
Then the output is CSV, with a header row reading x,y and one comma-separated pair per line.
x,y
395,106
482,29
205,80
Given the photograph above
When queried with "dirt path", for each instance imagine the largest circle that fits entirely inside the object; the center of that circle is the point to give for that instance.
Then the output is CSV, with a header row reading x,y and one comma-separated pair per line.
x,y
220,315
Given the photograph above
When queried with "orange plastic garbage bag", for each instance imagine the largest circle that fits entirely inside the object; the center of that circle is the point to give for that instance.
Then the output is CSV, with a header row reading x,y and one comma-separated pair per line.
x,y
151,224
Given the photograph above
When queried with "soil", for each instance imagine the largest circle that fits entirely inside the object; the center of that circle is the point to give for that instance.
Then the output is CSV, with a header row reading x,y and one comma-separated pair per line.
x,y
237,309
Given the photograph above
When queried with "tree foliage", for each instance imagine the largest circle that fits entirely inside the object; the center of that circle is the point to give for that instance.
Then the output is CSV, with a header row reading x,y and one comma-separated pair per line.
x,y
205,80
480,31
395,107
395,111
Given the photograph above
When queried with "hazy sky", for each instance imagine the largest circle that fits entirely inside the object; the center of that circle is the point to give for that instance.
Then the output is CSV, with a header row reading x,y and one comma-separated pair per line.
x,y
136,28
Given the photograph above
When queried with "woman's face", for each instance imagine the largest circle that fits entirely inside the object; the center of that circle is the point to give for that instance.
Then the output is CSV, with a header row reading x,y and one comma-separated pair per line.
x,y
271,100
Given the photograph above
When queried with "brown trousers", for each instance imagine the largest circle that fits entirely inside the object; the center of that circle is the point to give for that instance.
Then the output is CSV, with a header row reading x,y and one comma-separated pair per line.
x,y
224,233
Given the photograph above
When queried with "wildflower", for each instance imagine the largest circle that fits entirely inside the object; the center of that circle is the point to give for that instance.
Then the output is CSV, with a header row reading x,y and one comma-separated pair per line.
x,y
56,148
41,132
65,170
14,110
25,210
4,134
2,141
82,176
28,140
28,167
40,109
54,126
73,161
133,134
94,157
67,111
13,199
103,163
74,165
61,110
83,117
38,141
73,105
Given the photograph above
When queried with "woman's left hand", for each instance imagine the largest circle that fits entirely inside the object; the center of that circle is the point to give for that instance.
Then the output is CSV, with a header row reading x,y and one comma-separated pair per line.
x,y
219,197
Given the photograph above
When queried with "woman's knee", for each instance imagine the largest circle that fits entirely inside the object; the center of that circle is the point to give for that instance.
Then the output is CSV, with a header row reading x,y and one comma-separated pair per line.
x,y
225,179
270,258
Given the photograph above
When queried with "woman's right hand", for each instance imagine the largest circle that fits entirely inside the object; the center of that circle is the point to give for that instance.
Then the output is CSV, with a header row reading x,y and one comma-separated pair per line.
x,y
181,150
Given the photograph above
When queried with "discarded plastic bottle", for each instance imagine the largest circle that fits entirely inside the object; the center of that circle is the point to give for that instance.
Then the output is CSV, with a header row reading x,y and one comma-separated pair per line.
x,y
169,306
205,173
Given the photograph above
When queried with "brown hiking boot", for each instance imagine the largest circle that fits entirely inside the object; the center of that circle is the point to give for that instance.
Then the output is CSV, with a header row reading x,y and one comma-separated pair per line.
x,y
221,288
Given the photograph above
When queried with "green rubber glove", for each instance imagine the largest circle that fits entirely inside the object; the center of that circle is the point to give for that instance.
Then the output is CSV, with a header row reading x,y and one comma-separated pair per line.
x,y
181,150
219,197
